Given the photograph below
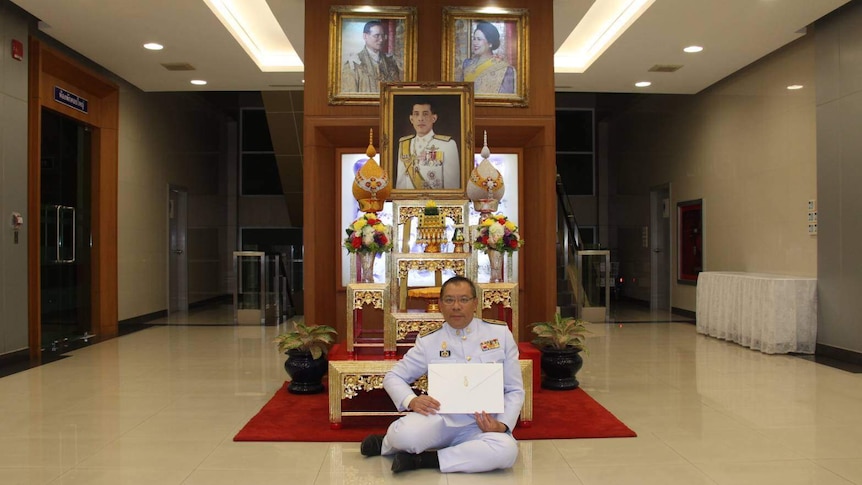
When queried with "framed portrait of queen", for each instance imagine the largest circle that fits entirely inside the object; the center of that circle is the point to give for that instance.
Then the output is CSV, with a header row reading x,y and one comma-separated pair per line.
x,y
426,139
488,50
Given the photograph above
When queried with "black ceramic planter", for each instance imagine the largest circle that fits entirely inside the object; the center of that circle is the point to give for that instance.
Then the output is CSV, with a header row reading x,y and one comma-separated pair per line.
x,y
306,373
560,367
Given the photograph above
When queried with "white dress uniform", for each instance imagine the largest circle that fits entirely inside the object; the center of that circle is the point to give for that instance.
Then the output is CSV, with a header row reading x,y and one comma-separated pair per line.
x,y
435,158
463,447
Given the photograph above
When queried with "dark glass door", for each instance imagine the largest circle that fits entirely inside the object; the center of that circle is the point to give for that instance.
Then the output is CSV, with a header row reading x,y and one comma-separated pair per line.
x,y
65,232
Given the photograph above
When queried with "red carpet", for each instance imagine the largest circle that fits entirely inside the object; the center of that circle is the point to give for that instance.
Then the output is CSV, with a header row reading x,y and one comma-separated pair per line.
x,y
556,415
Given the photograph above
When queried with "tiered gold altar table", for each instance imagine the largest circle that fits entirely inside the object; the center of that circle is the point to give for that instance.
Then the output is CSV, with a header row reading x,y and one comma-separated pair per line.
x,y
398,324
351,370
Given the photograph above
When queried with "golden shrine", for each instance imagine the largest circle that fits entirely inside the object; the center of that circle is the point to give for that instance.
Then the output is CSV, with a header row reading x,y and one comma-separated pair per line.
x,y
442,247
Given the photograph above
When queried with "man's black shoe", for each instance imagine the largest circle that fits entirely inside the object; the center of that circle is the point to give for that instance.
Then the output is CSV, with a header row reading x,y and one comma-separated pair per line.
x,y
371,445
405,461
408,461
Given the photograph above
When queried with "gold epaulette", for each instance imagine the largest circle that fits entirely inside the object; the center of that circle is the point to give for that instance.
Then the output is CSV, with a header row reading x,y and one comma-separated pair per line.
x,y
495,322
442,137
405,138
429,332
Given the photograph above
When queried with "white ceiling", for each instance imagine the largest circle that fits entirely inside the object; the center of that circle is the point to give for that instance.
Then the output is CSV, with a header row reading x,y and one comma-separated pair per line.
x,y
734,34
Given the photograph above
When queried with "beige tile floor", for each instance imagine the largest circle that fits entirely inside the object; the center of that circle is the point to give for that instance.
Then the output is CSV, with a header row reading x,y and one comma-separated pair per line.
x,y
160,406
216,314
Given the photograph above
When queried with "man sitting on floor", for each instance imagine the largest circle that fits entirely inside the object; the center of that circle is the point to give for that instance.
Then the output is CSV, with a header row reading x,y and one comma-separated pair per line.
x,y
463,442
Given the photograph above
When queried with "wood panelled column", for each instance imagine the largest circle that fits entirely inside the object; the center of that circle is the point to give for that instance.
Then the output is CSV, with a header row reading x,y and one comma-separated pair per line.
x,y
105,176
318,283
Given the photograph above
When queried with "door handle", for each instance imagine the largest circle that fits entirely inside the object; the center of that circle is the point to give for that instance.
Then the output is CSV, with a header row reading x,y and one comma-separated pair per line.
x,y
61,224
178,251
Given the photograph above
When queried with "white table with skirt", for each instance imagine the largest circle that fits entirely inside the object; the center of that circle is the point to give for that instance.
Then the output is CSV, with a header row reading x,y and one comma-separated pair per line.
x,y
775,314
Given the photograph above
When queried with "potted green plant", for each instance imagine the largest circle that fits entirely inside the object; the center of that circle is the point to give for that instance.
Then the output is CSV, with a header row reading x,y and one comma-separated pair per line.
x,y
561,342
306,347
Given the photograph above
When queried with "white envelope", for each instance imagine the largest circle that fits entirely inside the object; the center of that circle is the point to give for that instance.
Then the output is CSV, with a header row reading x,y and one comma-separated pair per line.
x,y
467,388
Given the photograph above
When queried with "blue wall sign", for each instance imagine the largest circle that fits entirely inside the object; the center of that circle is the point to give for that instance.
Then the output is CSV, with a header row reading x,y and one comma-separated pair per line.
x,y
71,100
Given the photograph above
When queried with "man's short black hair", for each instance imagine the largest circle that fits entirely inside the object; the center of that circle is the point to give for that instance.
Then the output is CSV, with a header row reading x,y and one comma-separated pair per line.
x,y
459,279
423,100
373,23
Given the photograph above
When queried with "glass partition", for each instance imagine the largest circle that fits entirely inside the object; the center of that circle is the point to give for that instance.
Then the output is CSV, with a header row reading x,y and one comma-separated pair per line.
x,y
594,268
261,285
249,295
274,286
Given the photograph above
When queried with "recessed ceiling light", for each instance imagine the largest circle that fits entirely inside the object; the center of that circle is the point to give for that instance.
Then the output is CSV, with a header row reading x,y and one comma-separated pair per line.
x,y
693,48
254,26
794,87
153,46
601,26
198,82
643,84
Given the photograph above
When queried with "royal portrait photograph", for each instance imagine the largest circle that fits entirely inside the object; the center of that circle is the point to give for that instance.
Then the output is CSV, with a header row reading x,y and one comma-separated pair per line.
x,y
429,132
488,50
368,47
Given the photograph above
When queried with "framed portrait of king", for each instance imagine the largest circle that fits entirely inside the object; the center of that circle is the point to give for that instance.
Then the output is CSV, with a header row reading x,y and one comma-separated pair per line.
x,y
426,139
490,51
369,46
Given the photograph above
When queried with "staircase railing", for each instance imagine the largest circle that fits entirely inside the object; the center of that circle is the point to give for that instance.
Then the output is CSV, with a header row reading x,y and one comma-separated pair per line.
x,y
569,239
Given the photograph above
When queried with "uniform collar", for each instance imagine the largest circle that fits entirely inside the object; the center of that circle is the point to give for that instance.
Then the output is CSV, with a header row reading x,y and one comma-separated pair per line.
x,y
427,138
470,329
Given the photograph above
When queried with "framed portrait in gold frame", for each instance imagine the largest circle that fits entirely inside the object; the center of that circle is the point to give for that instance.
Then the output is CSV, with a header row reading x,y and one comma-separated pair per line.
x,y
426,139
369,46
490,51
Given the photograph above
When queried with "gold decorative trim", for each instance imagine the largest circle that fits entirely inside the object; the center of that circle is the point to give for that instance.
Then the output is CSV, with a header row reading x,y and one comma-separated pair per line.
x,y
491,297
453,213
407,265
421,383
405,213
355,383
423,327
456,213
368,297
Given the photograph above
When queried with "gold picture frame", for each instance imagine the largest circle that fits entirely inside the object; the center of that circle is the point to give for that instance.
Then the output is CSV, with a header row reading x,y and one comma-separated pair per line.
x,y
500,70
409,156
354,34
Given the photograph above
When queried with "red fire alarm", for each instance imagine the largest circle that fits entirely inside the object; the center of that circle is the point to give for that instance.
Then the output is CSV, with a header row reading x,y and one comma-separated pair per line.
x,y
17,50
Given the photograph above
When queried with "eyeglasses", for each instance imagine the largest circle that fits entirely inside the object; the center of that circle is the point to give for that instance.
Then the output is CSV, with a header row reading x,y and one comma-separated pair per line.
x,y
451,300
